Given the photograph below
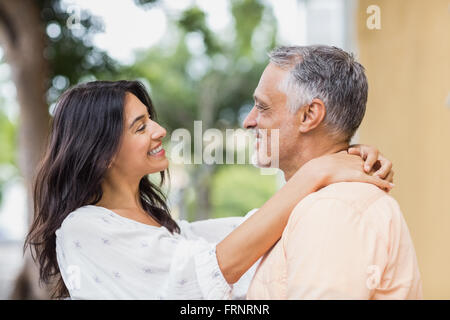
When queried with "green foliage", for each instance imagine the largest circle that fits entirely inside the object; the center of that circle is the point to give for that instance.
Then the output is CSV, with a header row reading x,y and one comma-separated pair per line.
x,y
247,15
236,189
194,20
7,154
71,54
145,3
7,140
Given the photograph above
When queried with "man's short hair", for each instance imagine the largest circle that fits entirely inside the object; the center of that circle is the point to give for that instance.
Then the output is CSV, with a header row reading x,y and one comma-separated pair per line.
x,y
329,74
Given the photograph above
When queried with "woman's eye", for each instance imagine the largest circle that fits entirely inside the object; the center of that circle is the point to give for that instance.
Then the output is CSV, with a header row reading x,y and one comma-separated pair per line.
x,y
144,126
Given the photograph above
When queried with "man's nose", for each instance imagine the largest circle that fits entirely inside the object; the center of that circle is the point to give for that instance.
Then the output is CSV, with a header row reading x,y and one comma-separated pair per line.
x,y
250,120
158,132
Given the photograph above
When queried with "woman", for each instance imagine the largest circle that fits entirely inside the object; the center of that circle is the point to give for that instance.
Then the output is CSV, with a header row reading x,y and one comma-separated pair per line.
x,y
104,231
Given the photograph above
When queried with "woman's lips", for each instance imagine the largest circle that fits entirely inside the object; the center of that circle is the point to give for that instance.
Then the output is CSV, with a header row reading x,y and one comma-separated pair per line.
x,y
157,152
161,153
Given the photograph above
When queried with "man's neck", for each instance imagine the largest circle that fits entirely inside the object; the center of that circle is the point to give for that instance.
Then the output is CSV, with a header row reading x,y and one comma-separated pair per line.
x,y
310,150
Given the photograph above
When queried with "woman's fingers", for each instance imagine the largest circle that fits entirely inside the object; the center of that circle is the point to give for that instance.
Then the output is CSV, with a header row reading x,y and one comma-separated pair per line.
x,y
342,166
390,177
385,169
383,184
372,157
367,153
354,151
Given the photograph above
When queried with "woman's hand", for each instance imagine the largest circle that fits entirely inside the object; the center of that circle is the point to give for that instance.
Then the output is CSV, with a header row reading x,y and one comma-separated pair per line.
x,y
375,163
342,167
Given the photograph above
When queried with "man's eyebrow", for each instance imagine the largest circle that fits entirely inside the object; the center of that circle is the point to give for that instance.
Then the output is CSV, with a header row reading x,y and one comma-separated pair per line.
x,y
136,120
258,100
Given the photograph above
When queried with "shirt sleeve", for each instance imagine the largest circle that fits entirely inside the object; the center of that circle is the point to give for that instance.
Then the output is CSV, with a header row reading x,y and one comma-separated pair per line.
x,y
100,258
215,230
332,253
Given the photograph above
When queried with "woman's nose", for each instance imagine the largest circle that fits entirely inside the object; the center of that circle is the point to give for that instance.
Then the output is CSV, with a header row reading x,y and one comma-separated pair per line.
x,y
158,132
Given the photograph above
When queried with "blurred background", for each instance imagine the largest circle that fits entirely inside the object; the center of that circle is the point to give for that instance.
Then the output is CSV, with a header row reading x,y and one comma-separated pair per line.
x,y
201,60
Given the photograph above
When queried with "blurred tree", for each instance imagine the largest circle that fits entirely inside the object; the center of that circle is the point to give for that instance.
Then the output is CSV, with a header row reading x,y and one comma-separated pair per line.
x,y
48,48
212,82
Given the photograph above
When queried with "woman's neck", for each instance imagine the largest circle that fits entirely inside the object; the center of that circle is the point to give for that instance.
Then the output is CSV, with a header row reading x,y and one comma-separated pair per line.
x,y
120,193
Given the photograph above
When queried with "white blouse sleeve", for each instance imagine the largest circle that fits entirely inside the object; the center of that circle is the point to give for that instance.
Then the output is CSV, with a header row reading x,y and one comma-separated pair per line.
x,y
104,256
215,230
212,230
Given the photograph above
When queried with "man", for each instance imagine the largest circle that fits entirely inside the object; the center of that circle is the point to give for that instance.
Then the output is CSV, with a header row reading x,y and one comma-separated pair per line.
x,y
348,240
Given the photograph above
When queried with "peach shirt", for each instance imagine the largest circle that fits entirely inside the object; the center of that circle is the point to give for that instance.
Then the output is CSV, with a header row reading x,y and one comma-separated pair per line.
x,y
347,241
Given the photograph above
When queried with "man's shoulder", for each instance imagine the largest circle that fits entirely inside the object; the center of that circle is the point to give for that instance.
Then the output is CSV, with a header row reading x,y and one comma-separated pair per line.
x,y
356,195
355,199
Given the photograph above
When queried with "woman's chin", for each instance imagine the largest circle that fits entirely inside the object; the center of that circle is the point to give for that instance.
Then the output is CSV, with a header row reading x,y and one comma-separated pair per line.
x,y
162,165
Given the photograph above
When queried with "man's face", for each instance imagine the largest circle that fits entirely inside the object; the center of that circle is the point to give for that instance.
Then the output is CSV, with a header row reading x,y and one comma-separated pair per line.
x,y
270,114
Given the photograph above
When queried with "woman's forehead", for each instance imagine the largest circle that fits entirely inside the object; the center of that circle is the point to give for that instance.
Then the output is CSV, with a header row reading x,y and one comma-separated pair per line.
x,y
133,107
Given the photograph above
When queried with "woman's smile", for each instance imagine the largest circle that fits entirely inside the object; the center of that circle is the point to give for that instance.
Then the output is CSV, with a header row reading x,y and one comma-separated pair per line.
x,y
157,152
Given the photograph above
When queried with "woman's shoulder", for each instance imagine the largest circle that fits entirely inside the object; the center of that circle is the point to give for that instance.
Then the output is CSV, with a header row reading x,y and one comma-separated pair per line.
x,y
90,220
82,219
87,211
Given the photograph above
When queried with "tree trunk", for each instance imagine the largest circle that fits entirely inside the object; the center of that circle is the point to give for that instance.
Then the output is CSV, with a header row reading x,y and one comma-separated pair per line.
x,y
202,182
203,174
23,39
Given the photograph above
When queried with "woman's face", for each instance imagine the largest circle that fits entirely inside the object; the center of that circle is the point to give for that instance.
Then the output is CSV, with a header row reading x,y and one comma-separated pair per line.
x,y
141,149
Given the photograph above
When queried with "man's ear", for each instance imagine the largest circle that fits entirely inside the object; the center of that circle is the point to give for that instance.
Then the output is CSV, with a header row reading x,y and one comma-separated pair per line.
x,y
311,115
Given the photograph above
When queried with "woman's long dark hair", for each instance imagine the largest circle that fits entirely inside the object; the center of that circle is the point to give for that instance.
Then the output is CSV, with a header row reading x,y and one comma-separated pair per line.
x,y
85,134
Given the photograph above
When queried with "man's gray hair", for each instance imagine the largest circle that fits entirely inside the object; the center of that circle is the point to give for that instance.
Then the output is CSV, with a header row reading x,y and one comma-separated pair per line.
x,y
329,74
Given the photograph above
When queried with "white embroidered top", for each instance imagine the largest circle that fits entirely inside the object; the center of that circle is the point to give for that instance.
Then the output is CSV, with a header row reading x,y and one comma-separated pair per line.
x,y
102,255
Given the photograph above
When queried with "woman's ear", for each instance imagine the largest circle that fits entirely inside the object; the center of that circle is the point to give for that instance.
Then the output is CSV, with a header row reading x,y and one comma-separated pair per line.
x,y
111,162
311,115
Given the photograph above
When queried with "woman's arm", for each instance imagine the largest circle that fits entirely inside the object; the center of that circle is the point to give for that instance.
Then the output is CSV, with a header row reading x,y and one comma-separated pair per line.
x,y
253,238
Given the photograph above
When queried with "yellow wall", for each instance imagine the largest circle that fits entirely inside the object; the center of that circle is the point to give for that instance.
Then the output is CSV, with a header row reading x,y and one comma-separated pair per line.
x,y
408,67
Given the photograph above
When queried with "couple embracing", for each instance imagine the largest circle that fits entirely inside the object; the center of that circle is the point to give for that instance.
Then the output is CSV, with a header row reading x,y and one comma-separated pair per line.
x,y
103,230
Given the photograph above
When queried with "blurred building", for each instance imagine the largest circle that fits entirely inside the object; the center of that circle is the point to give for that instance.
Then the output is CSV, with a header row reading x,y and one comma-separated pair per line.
x,y
408,118
405,47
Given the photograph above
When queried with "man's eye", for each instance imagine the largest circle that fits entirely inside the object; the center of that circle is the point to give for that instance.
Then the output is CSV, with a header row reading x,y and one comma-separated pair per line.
x,y
260,107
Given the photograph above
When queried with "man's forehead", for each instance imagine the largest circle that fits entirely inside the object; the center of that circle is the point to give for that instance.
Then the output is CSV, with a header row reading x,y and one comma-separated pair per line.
x,y
270,81
260,95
